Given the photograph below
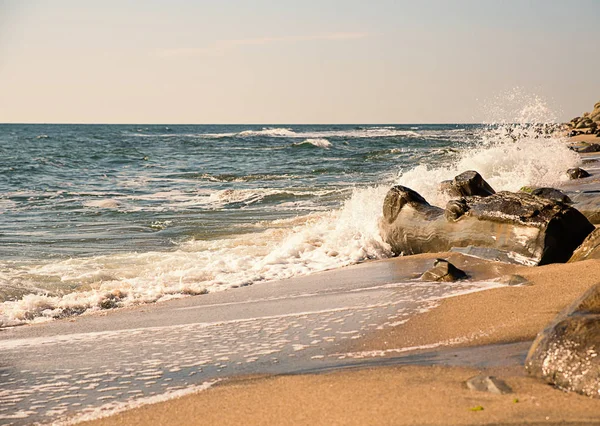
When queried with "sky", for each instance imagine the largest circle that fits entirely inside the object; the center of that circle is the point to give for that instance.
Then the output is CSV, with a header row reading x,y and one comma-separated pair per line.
x,y
279,61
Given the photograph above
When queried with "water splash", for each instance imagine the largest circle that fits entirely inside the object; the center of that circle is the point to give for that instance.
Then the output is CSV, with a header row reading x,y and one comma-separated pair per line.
x,y
521,146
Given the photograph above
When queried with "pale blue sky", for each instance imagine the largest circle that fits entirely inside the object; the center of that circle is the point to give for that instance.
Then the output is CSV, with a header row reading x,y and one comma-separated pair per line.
x,y
292,62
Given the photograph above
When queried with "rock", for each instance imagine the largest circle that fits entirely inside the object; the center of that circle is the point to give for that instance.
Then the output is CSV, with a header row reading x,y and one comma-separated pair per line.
x,y
551,194
443,271
490,384
588,203
566,353
466,184
589,249
533,229
577,173
580,125
593,147
513,280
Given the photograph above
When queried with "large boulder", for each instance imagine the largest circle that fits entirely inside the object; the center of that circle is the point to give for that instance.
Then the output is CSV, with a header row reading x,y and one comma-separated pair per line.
x,y
566,353
467,184
532,229
589,249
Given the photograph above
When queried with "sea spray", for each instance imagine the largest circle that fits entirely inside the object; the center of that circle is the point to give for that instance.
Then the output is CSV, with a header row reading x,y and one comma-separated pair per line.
x,y
519,145
505,163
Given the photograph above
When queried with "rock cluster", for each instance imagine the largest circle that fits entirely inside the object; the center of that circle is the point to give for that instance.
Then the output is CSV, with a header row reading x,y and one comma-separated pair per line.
x,y
528,228
588,123
566,353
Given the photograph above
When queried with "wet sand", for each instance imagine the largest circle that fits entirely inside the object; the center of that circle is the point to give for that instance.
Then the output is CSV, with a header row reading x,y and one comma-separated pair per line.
x,y
410,394
417,394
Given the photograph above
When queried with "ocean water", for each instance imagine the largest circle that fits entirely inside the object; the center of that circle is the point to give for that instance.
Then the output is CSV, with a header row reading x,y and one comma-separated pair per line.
x,y
103,216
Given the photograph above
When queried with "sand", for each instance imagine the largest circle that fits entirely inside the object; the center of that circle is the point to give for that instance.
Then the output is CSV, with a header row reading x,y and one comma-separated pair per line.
x,y
410,394
386,396
505,314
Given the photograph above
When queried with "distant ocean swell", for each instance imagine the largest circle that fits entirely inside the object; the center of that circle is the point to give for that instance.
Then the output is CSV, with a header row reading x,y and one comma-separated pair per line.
x,y
197,225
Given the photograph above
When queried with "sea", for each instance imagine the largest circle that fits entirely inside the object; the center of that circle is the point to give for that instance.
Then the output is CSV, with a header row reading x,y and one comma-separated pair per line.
x,y
99,217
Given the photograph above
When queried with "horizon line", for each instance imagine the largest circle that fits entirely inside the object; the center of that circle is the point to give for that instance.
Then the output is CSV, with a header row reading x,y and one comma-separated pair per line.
x,y
238,124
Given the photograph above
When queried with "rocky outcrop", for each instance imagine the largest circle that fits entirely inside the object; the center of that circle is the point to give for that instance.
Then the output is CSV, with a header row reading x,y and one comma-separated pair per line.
x,y
588,148
589,249
577,173
538,230
588,123
443,271
567,353
467,184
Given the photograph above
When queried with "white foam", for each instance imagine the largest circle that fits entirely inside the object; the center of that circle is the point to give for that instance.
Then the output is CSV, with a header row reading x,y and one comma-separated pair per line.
x,y
359,133
319,142
299,246
112,408
505,163
102,204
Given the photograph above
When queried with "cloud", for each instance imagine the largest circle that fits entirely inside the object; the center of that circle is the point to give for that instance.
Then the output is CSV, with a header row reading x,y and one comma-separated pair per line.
x,y
220,46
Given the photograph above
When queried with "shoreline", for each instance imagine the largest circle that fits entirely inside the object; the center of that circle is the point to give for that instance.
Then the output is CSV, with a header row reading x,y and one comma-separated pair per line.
x,y
439,347
428,394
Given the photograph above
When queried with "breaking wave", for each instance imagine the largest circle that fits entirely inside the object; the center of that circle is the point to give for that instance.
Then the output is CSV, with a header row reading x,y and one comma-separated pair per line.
x,y
319,143
312,243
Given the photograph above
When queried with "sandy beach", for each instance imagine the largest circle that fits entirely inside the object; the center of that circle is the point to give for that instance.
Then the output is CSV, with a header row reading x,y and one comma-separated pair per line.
x,y
411,394
414,394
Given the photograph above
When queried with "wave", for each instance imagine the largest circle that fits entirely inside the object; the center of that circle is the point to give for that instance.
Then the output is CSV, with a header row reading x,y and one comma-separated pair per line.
x,y
317,242
319,143
358,133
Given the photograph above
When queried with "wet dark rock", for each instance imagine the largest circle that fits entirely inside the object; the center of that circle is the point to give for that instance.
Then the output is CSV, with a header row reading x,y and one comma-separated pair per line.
x,y
589,249
489,384
577,173
538,230
566,353
551,194
593,147
443,271
466,184
455,209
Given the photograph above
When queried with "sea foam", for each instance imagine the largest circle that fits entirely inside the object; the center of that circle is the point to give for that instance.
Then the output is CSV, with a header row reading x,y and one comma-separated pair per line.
x,y
294,247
